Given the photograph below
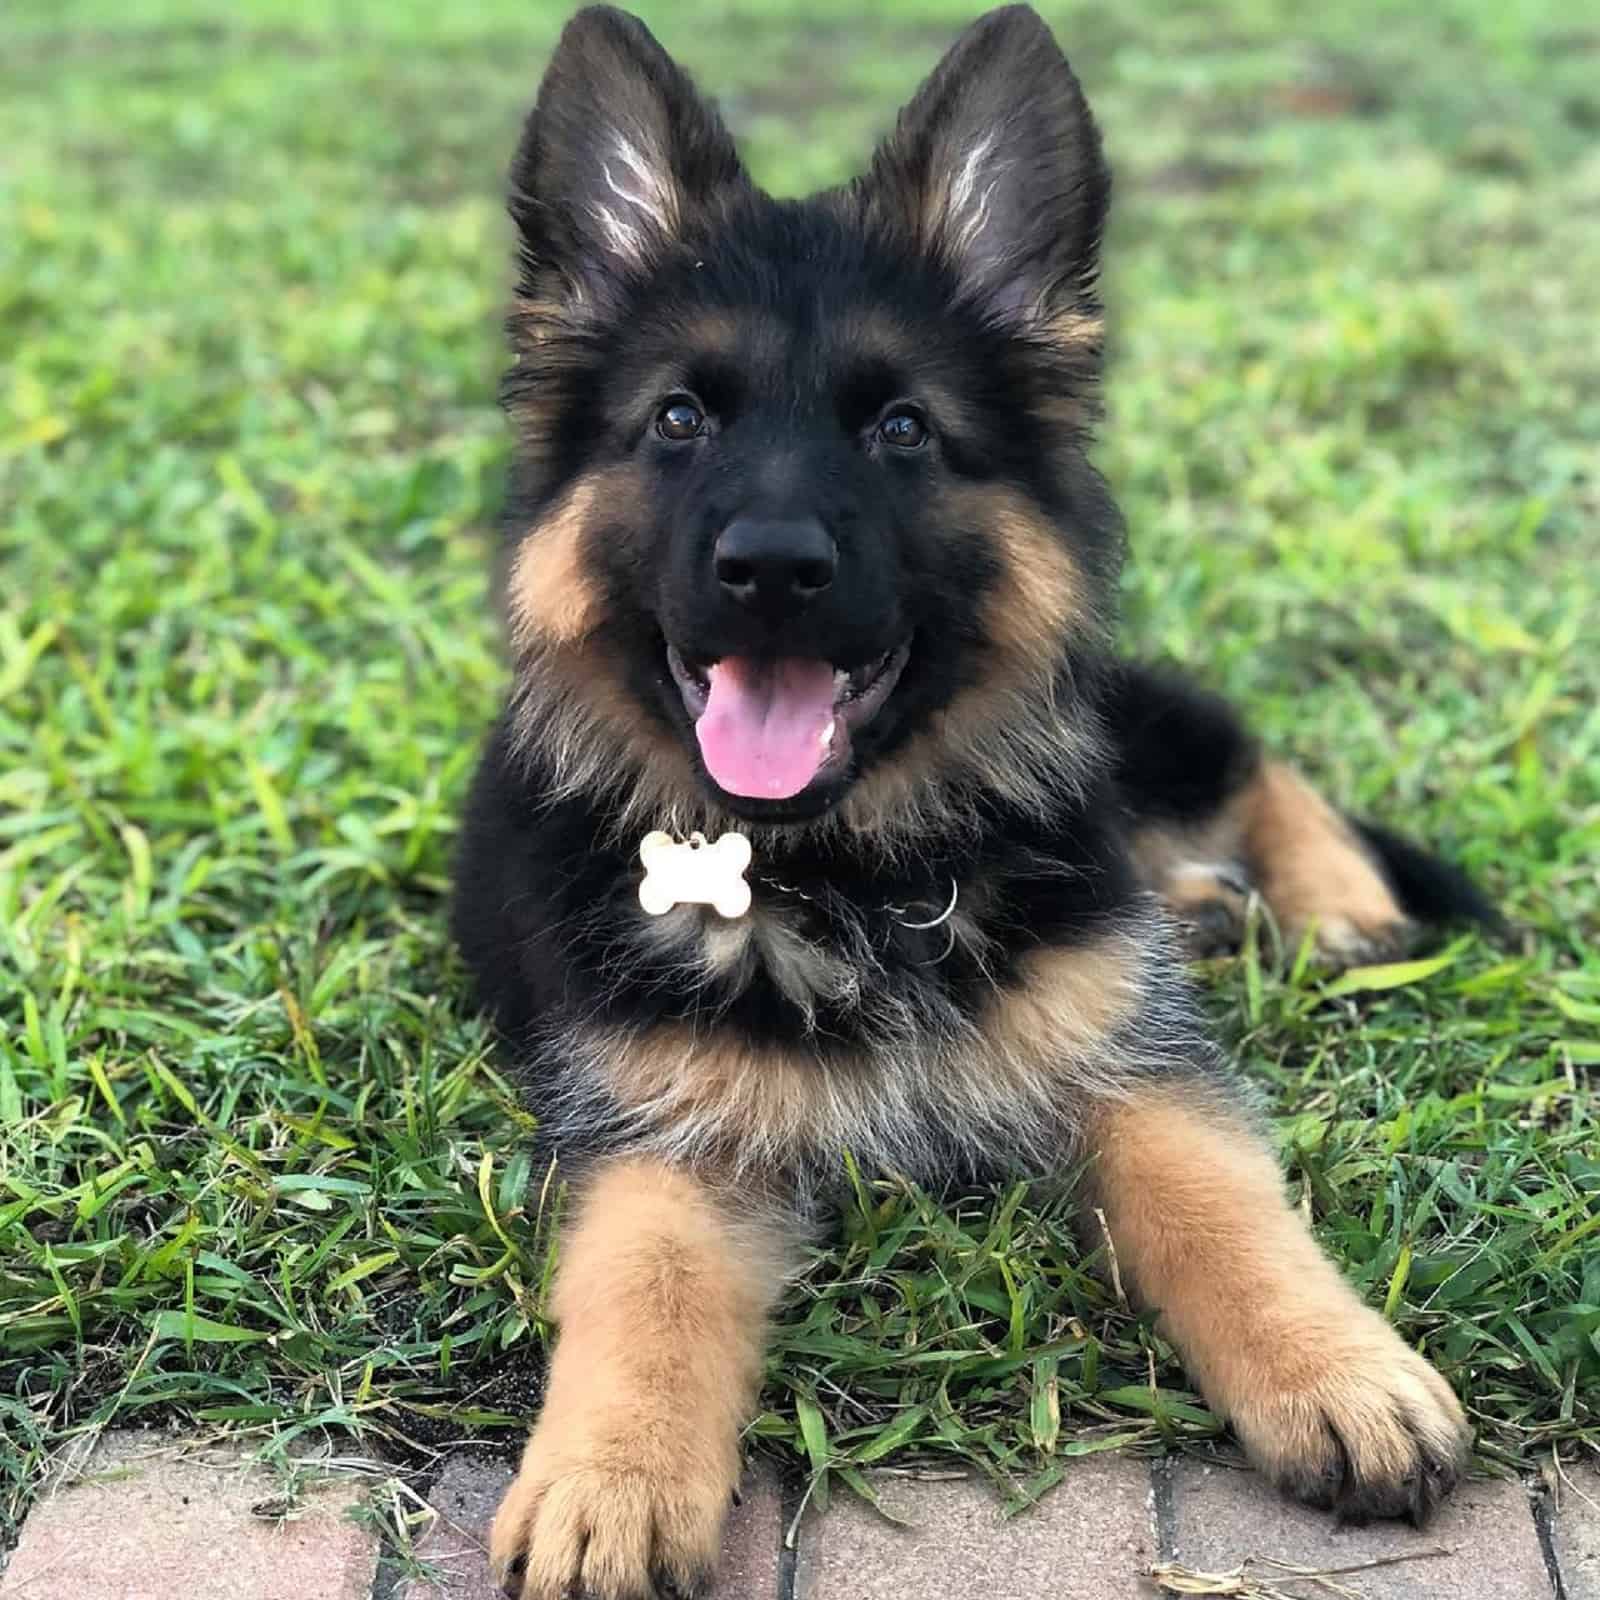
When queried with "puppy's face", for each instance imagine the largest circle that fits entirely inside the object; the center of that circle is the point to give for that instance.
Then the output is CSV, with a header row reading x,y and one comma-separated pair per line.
x,y
801,511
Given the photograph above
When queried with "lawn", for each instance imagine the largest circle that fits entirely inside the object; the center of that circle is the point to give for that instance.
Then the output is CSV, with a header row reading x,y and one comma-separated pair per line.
x,y
257,1166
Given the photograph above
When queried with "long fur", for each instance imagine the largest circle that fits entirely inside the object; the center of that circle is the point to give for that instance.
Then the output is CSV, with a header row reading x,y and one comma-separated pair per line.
x,y
962,959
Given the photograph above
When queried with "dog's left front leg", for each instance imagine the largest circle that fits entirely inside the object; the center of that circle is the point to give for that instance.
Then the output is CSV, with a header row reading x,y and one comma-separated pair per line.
x,y
1323,1393
662,1298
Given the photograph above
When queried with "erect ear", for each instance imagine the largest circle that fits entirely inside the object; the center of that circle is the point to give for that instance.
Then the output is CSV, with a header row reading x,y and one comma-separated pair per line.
x,y
995,168
617,157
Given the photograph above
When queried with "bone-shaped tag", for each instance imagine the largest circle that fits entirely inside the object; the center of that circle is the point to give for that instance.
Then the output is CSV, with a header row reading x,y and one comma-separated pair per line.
x,y
695,873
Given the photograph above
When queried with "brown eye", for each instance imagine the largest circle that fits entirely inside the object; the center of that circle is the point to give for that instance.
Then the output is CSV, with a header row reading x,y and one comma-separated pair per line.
x,y
905,430
679,420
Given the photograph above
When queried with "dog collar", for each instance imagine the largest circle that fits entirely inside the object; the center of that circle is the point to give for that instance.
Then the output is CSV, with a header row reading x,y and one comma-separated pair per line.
x,y
699,872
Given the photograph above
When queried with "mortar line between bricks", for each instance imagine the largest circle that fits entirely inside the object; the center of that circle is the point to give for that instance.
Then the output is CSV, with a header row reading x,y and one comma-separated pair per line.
x,y
1539,1508
791,1500
386,1580
390,1574
1163,1509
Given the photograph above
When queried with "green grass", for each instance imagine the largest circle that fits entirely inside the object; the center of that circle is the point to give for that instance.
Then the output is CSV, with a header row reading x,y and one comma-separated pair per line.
x,y
257,1167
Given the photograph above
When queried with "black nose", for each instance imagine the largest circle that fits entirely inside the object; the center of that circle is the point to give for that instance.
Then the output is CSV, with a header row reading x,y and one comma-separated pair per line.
x,y
775,568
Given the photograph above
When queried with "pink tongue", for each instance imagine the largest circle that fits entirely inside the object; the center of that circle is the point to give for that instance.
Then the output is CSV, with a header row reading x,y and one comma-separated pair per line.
x,y
764,729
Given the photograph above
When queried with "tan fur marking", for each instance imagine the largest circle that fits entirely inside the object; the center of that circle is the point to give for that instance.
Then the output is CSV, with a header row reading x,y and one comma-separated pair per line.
x,y
531,319
1076,330
1164,852
726,333
1296,851
1212,906
1069,1001
1039,597
1312,869
571,705
700,1094
677,1077
553,599
1197,870
662,1302
1005,727
878,335
1277,1340
1006,733
1193,888
571,702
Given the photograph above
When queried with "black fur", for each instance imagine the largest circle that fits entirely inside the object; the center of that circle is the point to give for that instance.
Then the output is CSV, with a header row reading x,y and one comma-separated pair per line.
x,y
953,967
547,915
869,310
957,277
1180,753
1431,890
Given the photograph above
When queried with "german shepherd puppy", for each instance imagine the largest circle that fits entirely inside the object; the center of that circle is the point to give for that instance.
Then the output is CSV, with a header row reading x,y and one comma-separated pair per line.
x,y
803,544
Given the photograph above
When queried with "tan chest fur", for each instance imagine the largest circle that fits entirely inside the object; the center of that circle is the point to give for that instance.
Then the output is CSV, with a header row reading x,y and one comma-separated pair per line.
x,y
1010,1076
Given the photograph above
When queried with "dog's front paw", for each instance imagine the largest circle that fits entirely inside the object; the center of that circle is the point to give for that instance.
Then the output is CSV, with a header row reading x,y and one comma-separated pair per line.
x,y
610,1514
1366,1430
1212,928
1342,941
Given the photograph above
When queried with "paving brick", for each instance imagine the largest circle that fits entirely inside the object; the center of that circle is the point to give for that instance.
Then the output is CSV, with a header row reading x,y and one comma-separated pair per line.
x,y
751,1547
148,1519
1223,1516
456,1545
1576,1530
1089,1539
468,1490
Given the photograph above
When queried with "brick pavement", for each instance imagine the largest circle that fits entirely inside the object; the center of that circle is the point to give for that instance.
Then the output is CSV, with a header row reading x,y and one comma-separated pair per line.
x,y
148,1518
1575,1532
1090,1538
1485,1529
144,1518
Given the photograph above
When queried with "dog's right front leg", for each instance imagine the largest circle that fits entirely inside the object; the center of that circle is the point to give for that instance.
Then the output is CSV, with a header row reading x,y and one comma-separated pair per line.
x,y
662,1299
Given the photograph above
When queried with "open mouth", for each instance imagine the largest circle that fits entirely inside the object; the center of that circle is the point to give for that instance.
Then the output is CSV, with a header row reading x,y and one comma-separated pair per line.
x,y
769,729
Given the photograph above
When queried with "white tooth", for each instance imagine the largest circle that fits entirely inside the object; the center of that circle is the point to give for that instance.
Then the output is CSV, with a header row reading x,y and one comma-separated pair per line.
x,y
827,733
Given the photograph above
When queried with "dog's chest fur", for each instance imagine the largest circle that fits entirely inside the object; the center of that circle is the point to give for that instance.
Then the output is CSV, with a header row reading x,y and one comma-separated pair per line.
x,y
854,1008
829,957
921,1034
